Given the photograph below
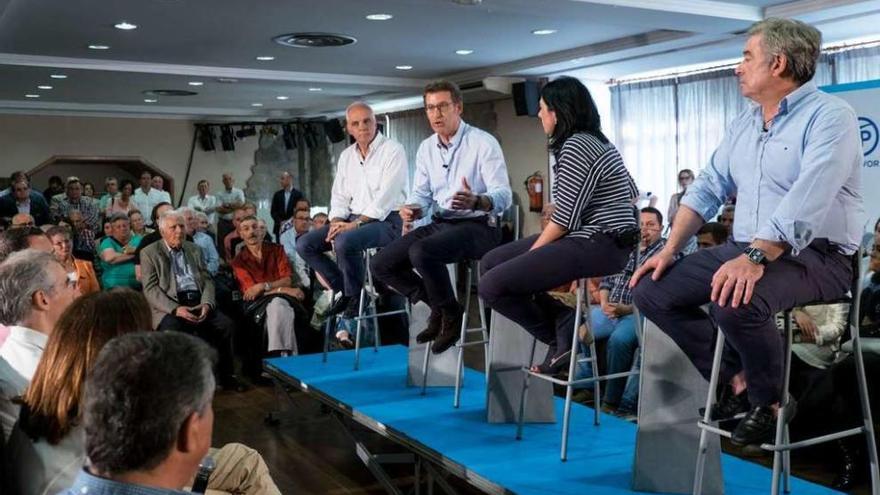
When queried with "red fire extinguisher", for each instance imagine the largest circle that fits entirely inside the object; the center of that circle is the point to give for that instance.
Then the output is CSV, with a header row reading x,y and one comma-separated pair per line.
x,y
535,189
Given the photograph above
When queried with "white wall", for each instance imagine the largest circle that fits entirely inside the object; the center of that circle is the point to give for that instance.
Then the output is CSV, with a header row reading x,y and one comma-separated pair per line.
x,y
27,141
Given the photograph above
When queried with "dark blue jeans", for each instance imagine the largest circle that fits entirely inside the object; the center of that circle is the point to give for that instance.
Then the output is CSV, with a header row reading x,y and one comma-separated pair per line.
x,y
347,273
754,344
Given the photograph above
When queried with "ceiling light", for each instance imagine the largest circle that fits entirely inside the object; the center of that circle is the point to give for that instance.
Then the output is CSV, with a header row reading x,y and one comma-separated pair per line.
x,y
125,26
256,104
58,76
403,67
99,47
467,2
316,89
543,32
44,87
463,52
265,58
150,100
196,83
227,80
380,17
31,96
282,97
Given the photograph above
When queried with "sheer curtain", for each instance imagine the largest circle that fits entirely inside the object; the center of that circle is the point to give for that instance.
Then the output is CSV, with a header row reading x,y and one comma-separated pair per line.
x,y
409,128
645,129
862,64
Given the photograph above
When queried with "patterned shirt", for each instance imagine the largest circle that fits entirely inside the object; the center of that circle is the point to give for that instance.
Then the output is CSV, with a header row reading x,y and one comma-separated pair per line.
x,y
61,208
89,484
618,284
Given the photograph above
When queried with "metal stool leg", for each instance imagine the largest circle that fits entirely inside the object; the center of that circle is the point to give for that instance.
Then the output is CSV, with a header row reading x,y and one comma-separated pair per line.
x,y
864,401
327,326
425,368
459,369
594,367
702,452
357,333
522,396
778,455
572,361
371,289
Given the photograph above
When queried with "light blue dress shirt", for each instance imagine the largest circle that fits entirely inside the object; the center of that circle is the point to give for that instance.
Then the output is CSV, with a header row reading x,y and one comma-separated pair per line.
x,y
800,180
88,484
472,154
209,251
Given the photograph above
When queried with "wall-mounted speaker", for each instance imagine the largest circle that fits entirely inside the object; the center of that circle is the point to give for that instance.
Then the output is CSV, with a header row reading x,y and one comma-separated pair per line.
x,y
335,132
525,97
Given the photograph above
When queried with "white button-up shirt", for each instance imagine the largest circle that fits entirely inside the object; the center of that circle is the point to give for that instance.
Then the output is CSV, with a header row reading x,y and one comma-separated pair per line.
x,y
473,154
236,195
372,186
145,202
18,361
207,205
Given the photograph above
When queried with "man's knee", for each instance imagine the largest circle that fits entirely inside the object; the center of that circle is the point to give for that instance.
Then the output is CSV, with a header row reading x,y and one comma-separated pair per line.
x,y
647,298
750,314
305,245
489,289
623,337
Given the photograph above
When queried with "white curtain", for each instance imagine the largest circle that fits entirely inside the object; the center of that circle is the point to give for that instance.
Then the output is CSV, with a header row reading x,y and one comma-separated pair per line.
x,y
862,64
409,128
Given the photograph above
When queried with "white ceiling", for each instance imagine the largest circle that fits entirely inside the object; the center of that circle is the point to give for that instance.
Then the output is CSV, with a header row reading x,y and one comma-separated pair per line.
x,y
179,41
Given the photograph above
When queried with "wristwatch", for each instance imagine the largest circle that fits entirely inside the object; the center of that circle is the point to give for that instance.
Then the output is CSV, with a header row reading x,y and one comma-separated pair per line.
x,y
267,287
358,223
756,256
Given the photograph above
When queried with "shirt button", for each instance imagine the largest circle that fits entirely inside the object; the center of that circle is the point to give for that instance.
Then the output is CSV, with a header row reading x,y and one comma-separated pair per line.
x,y
84,489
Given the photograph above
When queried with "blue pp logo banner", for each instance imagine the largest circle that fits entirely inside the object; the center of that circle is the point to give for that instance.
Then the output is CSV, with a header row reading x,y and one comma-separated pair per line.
x,y
869,134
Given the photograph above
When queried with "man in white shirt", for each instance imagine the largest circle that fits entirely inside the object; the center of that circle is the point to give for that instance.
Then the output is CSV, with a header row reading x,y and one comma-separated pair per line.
x,y
229,199
147,197
461,175
288,240
35,289
204,202
368,190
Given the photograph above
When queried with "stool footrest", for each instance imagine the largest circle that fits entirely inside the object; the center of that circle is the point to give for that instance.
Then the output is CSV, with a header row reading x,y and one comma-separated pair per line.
x,y
814,441
566,383
387,313
476,342
475,329
714,429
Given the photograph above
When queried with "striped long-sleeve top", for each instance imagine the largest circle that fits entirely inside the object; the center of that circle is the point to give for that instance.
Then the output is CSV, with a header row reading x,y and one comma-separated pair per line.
x,y
593,191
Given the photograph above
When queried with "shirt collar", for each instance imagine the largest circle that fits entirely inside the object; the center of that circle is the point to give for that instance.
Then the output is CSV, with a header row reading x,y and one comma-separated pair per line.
x,y
374,144
790,100
28,336
456,138
171,249
89,484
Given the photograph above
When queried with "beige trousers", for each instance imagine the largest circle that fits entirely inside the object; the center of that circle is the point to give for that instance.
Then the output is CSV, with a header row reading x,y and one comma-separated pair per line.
x,y
240,470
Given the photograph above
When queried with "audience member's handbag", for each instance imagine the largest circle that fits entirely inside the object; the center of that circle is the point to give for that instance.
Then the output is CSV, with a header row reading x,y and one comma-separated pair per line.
x,y
256,309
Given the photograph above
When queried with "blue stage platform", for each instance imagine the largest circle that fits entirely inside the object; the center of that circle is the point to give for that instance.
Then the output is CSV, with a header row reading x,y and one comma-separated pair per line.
x,y
488,456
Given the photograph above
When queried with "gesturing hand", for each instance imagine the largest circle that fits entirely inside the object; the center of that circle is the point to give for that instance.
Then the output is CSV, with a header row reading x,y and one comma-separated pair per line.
x,y
464,199
735,281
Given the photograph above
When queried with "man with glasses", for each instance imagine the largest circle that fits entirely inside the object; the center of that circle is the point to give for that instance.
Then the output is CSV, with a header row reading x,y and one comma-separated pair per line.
x,y
461,177
23,201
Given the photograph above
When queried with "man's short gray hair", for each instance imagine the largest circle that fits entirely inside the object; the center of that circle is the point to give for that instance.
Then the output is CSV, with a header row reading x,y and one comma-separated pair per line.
x,y
21,275
183,210
168,215
359,104
797,41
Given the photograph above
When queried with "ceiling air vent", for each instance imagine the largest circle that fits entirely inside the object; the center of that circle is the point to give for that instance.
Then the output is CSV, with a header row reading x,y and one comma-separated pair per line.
x,y
314,40
169,92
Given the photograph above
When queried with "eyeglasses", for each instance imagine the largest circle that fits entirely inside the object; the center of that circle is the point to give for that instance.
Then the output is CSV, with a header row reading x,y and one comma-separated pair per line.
x,y
442,107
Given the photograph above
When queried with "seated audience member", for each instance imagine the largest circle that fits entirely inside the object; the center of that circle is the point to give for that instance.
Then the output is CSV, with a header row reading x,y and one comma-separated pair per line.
x,y
301,204
265,278
117,255
726,216
712,234
181,292
138,223
83,236
88,190
164,376
869,307
146,197
265,236
22,220
368,190
16,176
111,191
80,270
22,238
24,201
158,183
196,225
319,220
233,239
56,187
614,319
122,202
153,236
73,199
35,290
204,202
288,241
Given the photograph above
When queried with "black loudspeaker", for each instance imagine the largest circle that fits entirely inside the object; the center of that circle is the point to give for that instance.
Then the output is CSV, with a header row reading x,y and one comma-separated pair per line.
x,y
525,98
335,132
206,137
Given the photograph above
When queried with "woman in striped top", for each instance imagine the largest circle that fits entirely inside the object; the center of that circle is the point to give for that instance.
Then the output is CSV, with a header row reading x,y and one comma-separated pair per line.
x,y
591,233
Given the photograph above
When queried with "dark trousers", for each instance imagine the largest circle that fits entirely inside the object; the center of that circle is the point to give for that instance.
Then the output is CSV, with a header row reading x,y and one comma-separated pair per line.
x,y
754,344
224,227
513,279
216,330
429,249
347,273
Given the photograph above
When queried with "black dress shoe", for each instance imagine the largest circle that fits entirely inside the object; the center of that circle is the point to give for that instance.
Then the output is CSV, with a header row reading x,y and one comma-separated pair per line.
x,y
728,405
555,362
435,321
339,306
851,465
450,330
759,425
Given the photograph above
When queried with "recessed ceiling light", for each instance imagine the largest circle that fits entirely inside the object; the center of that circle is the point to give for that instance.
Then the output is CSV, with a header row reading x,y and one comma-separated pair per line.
x,y
403,67
256,104
99,47
543,32
282,97
125,26
316,89
58,76
196,83
31,96
380,17
227,80
463,52
44,87
265,58
150,100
